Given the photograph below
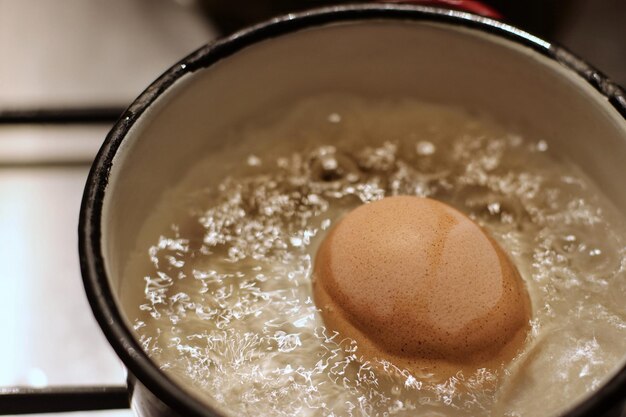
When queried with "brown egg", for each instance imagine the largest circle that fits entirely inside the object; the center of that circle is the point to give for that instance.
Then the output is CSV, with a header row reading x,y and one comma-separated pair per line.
x,y
416,282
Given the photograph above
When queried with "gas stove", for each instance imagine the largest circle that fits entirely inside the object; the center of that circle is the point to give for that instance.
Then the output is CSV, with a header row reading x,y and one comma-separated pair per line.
x,y
67,70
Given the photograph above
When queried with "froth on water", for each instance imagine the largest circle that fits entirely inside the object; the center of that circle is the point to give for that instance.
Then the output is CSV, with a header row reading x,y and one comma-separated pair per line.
x,y
227,308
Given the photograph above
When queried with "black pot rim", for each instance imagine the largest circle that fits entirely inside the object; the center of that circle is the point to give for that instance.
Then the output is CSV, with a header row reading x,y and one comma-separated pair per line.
x,y
95,280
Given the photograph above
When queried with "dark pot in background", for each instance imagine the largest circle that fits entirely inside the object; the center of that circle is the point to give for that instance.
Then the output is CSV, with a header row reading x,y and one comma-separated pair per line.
x,y
447,57
594,29
541,17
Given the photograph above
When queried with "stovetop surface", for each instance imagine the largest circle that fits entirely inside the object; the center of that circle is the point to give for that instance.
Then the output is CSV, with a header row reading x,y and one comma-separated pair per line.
x,y
59,55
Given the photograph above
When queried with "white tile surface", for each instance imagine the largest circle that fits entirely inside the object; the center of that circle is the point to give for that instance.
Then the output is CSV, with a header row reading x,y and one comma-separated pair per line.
x,y
52,337
55,339
104,52
70,145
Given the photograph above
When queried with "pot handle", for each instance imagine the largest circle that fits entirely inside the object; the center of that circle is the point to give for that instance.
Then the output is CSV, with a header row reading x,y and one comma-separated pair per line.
x,y
471,6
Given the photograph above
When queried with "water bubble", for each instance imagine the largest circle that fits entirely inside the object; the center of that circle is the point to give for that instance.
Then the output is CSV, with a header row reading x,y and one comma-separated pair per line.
x,y
253,161
425,148
542,146
334,118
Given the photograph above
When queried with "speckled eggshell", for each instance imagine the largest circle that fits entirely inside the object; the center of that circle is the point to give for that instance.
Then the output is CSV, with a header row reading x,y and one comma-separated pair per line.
x,y
414,279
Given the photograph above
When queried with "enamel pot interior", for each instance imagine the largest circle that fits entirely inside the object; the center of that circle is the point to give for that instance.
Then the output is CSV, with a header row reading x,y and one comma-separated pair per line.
x,y
386,52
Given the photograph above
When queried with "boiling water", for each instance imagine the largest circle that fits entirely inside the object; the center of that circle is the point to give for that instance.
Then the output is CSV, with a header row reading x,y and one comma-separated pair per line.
x,y
227,309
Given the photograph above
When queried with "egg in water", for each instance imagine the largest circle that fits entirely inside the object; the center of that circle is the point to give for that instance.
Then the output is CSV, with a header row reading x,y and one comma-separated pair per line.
x,y
419,283
357,257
